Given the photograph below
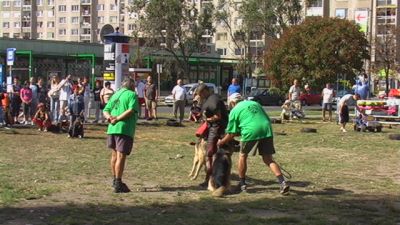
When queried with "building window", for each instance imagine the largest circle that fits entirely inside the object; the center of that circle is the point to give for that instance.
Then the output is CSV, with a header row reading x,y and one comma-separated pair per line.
x,y
239,51
50,35
6,25
383,2
40,35
6,4
132,27
50,24
16,35
341,13
6,15
113,19
74,32
113,7
100,7
62,32
50,2
221,51
100,19
74,20
74,8
317,3
62,20
62,8
222,36
39,13
39,2
133,15
17,3
238,21
17,15
50,13
40,24
17,24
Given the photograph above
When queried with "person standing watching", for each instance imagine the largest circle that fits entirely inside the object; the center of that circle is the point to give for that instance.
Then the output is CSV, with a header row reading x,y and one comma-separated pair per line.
x,y
97,101
343,109
105,95
249,120
54,95
150,96
65,87
233,88
327,99
35,99
217,118
26,98
294,91
86,97
122,114
179,97
140,86
15,100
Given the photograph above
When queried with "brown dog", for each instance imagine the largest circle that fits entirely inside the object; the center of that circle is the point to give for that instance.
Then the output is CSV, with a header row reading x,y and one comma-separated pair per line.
x,y
199,159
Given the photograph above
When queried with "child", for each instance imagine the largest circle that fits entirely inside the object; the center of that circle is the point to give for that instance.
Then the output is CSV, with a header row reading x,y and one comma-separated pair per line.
x,y
76,107
5,103
42,118
26,98
195,112
285,114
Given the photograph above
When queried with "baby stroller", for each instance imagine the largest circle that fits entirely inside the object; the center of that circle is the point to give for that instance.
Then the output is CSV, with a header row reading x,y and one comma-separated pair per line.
x,y
364,122
296,110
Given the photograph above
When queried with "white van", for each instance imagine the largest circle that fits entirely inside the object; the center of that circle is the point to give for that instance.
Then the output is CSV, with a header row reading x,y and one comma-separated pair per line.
x,y
190,88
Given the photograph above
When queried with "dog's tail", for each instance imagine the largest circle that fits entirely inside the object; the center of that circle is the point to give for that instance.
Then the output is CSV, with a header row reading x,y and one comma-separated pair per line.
x,y
219,192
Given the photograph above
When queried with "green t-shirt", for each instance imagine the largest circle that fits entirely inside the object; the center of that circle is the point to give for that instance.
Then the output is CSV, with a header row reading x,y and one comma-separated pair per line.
x,y
249,119
121,101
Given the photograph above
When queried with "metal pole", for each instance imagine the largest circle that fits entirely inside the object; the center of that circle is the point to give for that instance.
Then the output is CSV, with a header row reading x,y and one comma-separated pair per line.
x,y
159,81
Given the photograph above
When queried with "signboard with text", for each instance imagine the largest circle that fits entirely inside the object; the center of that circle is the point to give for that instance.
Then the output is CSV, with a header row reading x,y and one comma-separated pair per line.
x,y
10,56
361,18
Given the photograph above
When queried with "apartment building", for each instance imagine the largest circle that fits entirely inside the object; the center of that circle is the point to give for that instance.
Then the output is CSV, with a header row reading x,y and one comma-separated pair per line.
x,y
62,20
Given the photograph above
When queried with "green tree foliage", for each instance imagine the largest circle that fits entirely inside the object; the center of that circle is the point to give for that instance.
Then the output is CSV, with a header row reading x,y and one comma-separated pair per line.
x,y
317,50
175,25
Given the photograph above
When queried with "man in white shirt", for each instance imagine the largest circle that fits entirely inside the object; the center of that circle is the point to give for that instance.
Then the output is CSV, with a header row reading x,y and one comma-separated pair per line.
x,y
327,99
343,109
179,97
140,86
65,88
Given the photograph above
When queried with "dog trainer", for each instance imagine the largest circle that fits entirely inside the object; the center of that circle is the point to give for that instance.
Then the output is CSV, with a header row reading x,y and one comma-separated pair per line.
x,y
121,112
249,120
217,118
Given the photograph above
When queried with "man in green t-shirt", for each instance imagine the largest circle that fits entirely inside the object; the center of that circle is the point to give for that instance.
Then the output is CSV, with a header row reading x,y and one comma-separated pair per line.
x,y
121,112
249,120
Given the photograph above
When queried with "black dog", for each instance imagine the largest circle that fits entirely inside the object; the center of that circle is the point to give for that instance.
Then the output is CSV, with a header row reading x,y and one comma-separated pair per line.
x,y
219,182
76,130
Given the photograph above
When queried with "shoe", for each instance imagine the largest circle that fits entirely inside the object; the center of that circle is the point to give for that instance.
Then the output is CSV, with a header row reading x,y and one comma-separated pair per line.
x,y
121,188
45,130
243,188
40,129
284,188
204,184
343,130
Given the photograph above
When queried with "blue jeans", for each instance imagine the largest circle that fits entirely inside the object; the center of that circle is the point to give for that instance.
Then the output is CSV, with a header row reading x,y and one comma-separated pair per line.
x,y
54,108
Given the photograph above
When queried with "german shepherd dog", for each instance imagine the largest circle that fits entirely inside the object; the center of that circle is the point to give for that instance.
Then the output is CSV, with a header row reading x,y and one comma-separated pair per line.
x,y
219,182
76,130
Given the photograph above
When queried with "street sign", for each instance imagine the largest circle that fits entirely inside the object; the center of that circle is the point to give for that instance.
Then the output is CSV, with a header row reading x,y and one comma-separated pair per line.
x,y
10,56
159,68
361,18
1,75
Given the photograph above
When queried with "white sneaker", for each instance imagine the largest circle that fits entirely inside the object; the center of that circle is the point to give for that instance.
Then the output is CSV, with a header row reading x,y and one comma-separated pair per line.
x,y
344,130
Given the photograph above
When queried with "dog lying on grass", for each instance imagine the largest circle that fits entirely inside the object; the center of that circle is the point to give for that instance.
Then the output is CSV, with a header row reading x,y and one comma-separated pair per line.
x,y
76,130
219,182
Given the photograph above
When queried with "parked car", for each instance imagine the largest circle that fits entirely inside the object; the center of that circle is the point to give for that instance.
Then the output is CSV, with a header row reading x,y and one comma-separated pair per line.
x,y
190,88
265,97
310,98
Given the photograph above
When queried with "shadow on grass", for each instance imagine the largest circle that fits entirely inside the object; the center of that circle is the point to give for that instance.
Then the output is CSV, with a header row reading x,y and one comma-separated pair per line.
x,y
292,209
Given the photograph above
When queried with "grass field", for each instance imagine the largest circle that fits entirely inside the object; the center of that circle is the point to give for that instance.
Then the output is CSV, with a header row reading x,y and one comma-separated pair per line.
x,y
337,178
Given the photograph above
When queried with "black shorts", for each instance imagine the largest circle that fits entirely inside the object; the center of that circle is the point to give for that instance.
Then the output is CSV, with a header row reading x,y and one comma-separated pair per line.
x,y
344,115
264,146
120,143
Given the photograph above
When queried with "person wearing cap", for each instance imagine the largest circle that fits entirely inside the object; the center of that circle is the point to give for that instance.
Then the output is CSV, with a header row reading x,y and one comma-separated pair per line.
x,y
195,111
216,115
248,120
42,118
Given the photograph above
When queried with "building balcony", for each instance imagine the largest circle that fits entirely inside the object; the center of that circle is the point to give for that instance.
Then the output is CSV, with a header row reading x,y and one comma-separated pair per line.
x,y
85,37
86,13
26,8
86,25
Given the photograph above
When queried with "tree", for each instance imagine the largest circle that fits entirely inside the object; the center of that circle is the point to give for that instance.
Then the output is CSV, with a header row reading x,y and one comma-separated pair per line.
x,y
386,56
175,25
318,49
262,19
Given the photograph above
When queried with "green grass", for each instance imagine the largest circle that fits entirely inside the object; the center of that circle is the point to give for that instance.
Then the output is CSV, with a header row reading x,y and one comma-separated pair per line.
x,y
337,178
